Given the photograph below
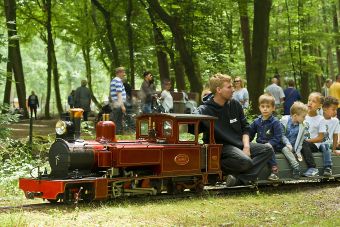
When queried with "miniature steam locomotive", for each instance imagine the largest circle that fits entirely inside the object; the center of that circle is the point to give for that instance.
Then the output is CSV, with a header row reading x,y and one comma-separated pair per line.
x,y
163,157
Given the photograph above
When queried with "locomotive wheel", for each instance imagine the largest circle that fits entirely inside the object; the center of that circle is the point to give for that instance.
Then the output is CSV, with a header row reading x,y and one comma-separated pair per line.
x,y
53,201
174,188
87,198
69,195
198,188
156,184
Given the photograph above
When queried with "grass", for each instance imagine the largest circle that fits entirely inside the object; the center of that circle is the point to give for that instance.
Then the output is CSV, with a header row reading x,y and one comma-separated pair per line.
x,y
301,207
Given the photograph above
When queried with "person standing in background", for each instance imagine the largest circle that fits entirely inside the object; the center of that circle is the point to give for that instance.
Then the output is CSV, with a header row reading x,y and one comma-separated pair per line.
x,y
82,99
275,90
325,88
70,99
167,100
240,93
33,104
147,90
334,90
118,97
291,95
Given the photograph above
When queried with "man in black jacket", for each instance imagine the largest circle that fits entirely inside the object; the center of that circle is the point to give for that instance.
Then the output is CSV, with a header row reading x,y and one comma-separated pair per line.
x,y
33,104
240,159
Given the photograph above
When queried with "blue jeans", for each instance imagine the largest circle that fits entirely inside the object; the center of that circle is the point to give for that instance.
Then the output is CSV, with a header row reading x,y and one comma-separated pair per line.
x,y
327,154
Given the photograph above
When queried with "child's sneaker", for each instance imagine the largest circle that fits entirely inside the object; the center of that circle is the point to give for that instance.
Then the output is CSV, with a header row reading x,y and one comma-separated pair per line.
x,y
311,172
273,177
327,172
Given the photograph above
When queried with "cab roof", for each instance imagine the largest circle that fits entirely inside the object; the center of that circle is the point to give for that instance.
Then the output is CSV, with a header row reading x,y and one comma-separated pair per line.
x,y
179,116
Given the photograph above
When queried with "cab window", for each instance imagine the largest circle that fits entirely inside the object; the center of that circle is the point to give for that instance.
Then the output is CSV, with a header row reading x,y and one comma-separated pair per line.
x,y
144,128
167,128
184,135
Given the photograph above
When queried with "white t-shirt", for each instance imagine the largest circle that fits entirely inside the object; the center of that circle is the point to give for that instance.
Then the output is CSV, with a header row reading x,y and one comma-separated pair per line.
x,y
332,127
314,126
168,101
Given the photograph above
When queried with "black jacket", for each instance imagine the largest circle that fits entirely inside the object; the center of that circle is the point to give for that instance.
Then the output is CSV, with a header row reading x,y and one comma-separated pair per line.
x,y
231,124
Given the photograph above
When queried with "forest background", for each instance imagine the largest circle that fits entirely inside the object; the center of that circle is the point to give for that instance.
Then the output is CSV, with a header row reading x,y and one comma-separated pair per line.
x,y
49,46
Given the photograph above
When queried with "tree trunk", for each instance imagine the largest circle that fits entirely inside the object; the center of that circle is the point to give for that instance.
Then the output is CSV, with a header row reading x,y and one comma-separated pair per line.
x,y
130,43
337,34
14,53
160,43
328,66
105,48
303,51
49,58
8,86
245,30
290,43
108,25
56,81
87,59
259,50
178,34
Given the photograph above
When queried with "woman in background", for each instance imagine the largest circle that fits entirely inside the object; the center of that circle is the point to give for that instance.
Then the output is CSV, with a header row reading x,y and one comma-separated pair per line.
x,y
241,93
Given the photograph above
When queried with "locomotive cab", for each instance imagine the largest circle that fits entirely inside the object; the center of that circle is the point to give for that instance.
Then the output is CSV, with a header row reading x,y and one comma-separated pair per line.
x,y
174,128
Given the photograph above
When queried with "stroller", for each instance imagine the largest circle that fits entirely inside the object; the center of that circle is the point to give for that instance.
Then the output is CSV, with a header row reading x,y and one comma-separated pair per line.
x,y
157,106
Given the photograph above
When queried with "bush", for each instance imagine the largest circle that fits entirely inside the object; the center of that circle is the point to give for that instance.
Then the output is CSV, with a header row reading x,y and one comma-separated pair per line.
x,y
17,157
17,160
6,118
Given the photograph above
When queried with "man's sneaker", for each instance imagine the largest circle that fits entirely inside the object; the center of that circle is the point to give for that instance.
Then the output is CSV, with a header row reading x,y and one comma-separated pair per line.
x,y
273,177
311,172
230,180
296,173
327,172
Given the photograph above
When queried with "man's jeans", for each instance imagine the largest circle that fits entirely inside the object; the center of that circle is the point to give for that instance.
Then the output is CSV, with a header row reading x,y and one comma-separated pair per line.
x,y
235,161
327,154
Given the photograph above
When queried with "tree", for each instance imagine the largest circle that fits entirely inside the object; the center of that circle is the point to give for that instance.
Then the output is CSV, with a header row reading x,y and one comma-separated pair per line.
x,y
178,34
259,50
14,55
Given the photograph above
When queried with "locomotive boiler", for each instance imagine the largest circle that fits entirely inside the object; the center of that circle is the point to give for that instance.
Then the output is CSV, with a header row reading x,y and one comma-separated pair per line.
x,y
163,157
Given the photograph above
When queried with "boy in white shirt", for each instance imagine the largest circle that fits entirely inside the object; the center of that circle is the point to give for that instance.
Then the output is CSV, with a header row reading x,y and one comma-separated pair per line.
x,y
315,130
329,143
166,96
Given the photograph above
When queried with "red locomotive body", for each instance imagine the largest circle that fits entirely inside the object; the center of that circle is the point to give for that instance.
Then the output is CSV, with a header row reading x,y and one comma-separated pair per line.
x,y
164,157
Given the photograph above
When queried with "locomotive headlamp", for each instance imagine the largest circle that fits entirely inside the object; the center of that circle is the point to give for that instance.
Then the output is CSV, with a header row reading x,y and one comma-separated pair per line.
x,y
61,128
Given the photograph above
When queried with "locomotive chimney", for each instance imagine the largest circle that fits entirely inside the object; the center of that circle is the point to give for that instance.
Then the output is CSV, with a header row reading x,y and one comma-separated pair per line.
x,y
76,114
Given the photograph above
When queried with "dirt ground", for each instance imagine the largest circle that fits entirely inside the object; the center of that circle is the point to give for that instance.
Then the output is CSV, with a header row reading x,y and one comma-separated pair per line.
x,y
40,127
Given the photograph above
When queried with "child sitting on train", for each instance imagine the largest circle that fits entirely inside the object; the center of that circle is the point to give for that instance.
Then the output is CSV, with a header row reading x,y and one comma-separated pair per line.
x,y
315,129
330,140
293,135
268,130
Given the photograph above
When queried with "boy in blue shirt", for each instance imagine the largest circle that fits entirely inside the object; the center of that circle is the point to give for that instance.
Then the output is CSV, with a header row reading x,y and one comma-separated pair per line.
x,y
294,135
268,130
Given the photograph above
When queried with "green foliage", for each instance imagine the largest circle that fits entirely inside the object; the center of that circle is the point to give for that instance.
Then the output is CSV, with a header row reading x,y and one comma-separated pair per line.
x,y
6,118
19,159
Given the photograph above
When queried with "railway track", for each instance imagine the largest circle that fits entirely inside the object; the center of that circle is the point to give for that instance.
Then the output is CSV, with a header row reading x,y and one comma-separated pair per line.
x,y
219,190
